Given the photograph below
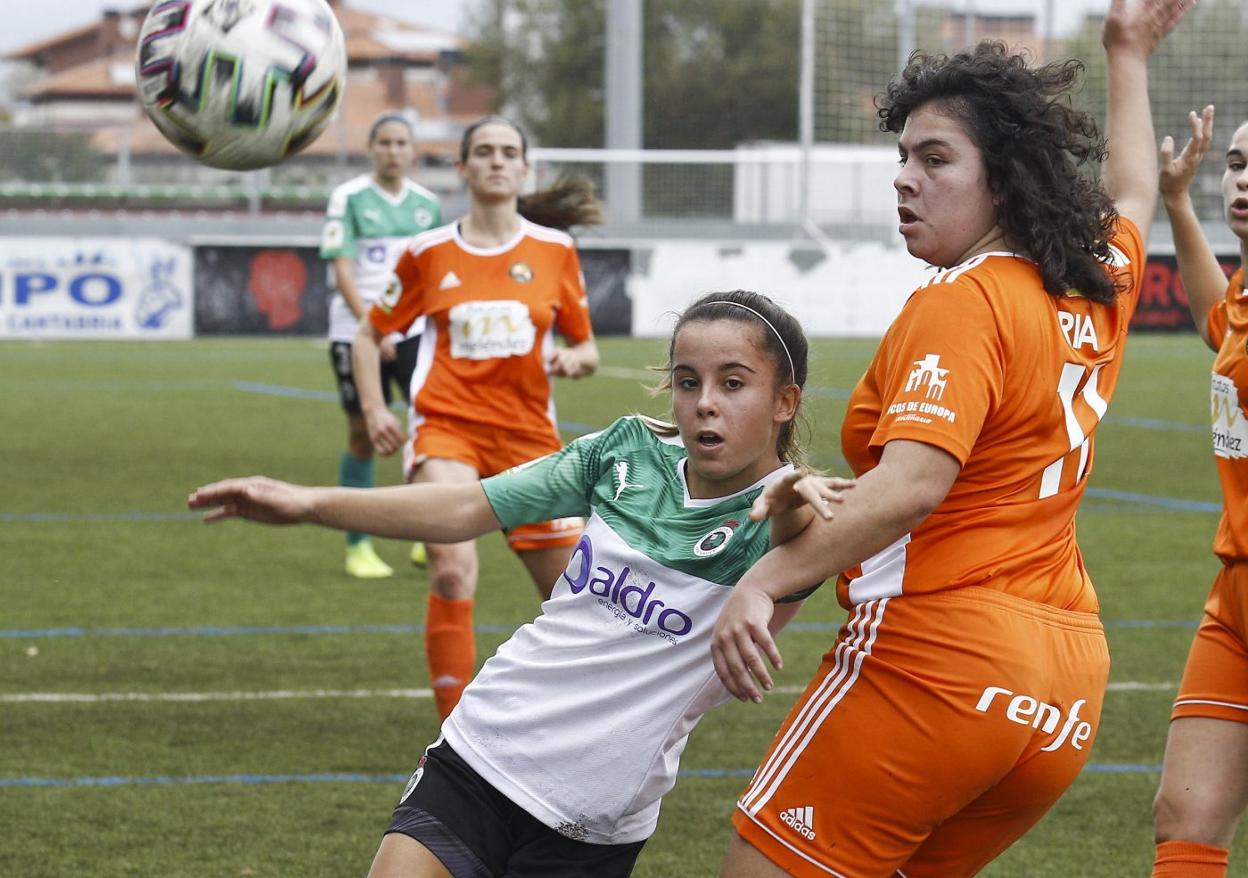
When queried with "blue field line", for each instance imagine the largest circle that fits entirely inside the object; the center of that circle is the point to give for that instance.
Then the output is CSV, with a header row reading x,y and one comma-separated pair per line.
x,y
1154,500
256,779
288,392
286,630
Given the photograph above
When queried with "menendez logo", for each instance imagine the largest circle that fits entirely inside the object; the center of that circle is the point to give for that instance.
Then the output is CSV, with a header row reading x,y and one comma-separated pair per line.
x,y
640,603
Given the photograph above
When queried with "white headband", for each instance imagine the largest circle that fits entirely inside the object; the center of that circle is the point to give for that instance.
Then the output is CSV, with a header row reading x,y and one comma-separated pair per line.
x,y
776,332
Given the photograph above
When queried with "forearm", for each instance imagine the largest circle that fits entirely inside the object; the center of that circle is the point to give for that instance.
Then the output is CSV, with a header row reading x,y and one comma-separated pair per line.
x,y
366,367
1131,167
1203,278
344,279
440,512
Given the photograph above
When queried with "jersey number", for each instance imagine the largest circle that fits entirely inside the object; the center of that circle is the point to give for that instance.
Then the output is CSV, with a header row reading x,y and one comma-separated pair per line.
x,y
1073,375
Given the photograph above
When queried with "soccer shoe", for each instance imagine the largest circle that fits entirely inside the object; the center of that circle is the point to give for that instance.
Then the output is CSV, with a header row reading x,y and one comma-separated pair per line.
x,y
419,556
363,563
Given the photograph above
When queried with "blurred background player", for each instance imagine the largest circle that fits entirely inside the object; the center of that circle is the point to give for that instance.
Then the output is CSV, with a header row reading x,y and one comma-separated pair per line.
x,y
676,515
494,287
963,695
1204,777
368,221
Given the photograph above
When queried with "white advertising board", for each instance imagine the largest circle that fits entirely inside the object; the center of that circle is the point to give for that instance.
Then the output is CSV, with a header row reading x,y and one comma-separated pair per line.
x,y
95,288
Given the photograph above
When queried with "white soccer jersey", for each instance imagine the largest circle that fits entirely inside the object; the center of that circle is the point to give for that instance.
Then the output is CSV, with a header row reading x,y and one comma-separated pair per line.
x,y
580,718
370,226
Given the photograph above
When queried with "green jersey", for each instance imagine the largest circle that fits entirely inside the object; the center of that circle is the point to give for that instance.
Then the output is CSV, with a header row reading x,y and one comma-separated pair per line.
x,y
370,226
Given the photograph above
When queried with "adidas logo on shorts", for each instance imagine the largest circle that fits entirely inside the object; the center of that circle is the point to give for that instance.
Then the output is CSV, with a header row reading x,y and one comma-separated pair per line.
x,y
801,820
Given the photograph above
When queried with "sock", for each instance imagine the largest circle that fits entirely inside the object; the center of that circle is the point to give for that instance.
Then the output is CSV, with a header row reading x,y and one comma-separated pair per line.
x,y
450,648
355,473
1188,859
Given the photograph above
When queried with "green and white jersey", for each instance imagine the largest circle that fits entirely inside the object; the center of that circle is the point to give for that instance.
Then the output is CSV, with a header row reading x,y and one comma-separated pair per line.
x,y
370,226
581,716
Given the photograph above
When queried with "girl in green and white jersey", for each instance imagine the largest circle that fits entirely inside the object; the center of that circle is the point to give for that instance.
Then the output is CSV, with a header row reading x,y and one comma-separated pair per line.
x,y
555,760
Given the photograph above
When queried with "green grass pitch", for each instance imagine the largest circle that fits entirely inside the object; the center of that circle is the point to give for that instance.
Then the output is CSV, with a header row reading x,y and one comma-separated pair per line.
x,y
108,586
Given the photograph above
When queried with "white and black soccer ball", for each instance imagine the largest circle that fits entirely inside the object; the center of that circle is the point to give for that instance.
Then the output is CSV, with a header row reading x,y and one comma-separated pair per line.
x,y
241,84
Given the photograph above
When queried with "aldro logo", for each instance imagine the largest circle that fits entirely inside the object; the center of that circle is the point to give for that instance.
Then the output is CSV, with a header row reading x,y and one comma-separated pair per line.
x,y
618,594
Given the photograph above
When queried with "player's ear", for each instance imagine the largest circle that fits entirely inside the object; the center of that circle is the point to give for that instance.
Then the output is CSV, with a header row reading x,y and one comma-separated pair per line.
x,y
788,399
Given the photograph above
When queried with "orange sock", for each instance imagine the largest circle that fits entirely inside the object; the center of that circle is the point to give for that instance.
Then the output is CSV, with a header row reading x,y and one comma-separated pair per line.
x,y
450,648
1187,859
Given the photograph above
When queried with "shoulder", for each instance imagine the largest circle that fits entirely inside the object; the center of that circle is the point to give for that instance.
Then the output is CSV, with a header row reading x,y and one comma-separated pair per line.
x,y
430,239
636,431
343,192
547,235
414,188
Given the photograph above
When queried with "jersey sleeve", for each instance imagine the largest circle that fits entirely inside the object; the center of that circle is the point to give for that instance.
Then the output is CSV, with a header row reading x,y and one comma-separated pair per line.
x,y
558,485
1217,322
939,370
573,318
404,299
1129,260
338,233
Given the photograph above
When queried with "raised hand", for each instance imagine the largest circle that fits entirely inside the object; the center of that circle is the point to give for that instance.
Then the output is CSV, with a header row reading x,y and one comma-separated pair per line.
x,y
1177,172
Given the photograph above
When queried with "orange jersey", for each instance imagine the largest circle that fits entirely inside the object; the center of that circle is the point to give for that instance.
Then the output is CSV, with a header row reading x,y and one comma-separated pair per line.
x,y
1228,328
985,365
490,315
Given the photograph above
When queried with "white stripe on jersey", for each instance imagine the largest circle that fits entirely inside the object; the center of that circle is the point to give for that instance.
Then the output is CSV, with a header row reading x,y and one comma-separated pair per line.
x,y
949,275
545,233
850,655
883,573
426,239
338,197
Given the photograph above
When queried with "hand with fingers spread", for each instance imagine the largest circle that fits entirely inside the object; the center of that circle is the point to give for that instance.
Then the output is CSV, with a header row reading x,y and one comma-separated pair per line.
x,y
1177,172
740,640
799,487
1141,25
259,499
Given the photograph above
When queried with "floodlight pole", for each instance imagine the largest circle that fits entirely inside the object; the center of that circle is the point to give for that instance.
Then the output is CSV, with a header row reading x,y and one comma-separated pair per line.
x,y
624,119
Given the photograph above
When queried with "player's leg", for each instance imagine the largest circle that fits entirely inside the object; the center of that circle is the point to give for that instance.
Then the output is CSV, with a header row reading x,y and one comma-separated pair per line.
x,y
544,548
400,856
400,371
1204,779
450,644
355,467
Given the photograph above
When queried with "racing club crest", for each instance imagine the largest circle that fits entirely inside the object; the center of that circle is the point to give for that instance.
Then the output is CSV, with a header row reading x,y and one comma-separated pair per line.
x,y
520,272
715,542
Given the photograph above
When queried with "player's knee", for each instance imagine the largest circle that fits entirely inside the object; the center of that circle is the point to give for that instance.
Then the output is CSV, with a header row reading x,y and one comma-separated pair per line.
x,y
451,576
1194,815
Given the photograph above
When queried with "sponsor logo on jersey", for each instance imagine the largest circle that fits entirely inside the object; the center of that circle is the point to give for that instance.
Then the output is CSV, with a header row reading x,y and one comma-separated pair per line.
x,y
423,217
1230,430
1027,710
717,540
488,330
616,590
621,480
372,214
390,298
928,376
450,281
1078,329
800,820
520,272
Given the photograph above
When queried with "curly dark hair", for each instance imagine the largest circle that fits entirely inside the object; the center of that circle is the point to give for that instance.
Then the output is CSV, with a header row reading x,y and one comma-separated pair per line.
x,y
1035,146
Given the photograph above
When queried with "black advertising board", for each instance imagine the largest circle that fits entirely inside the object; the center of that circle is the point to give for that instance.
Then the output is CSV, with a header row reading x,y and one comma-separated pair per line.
x,y
1163,301
260,290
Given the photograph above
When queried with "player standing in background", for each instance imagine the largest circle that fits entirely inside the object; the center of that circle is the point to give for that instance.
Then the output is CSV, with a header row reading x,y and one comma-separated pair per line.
x,y
369,220
494,287
1204,778
554,762
963,695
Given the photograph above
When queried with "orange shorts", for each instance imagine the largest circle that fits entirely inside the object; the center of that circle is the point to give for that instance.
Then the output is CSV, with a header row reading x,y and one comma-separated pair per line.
x,y
939,728
490,451
1215,680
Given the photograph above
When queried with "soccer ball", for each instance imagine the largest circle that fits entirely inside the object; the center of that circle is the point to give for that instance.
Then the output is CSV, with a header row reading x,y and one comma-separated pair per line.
x,y
240,84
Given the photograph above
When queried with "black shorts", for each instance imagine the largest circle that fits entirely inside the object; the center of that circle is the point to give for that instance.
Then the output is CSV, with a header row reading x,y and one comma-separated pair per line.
x,y
477,832
399,371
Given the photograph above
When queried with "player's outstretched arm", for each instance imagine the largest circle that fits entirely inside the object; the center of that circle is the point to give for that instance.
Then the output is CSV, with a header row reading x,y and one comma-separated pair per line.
x,y
1133,31
1203,278
447,512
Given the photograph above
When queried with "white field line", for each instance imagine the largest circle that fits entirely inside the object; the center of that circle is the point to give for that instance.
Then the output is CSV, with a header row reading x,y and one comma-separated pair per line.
x,y
292,694
629,374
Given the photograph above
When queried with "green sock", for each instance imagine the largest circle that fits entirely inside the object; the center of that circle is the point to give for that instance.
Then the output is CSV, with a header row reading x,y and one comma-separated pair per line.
x,y
355,473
